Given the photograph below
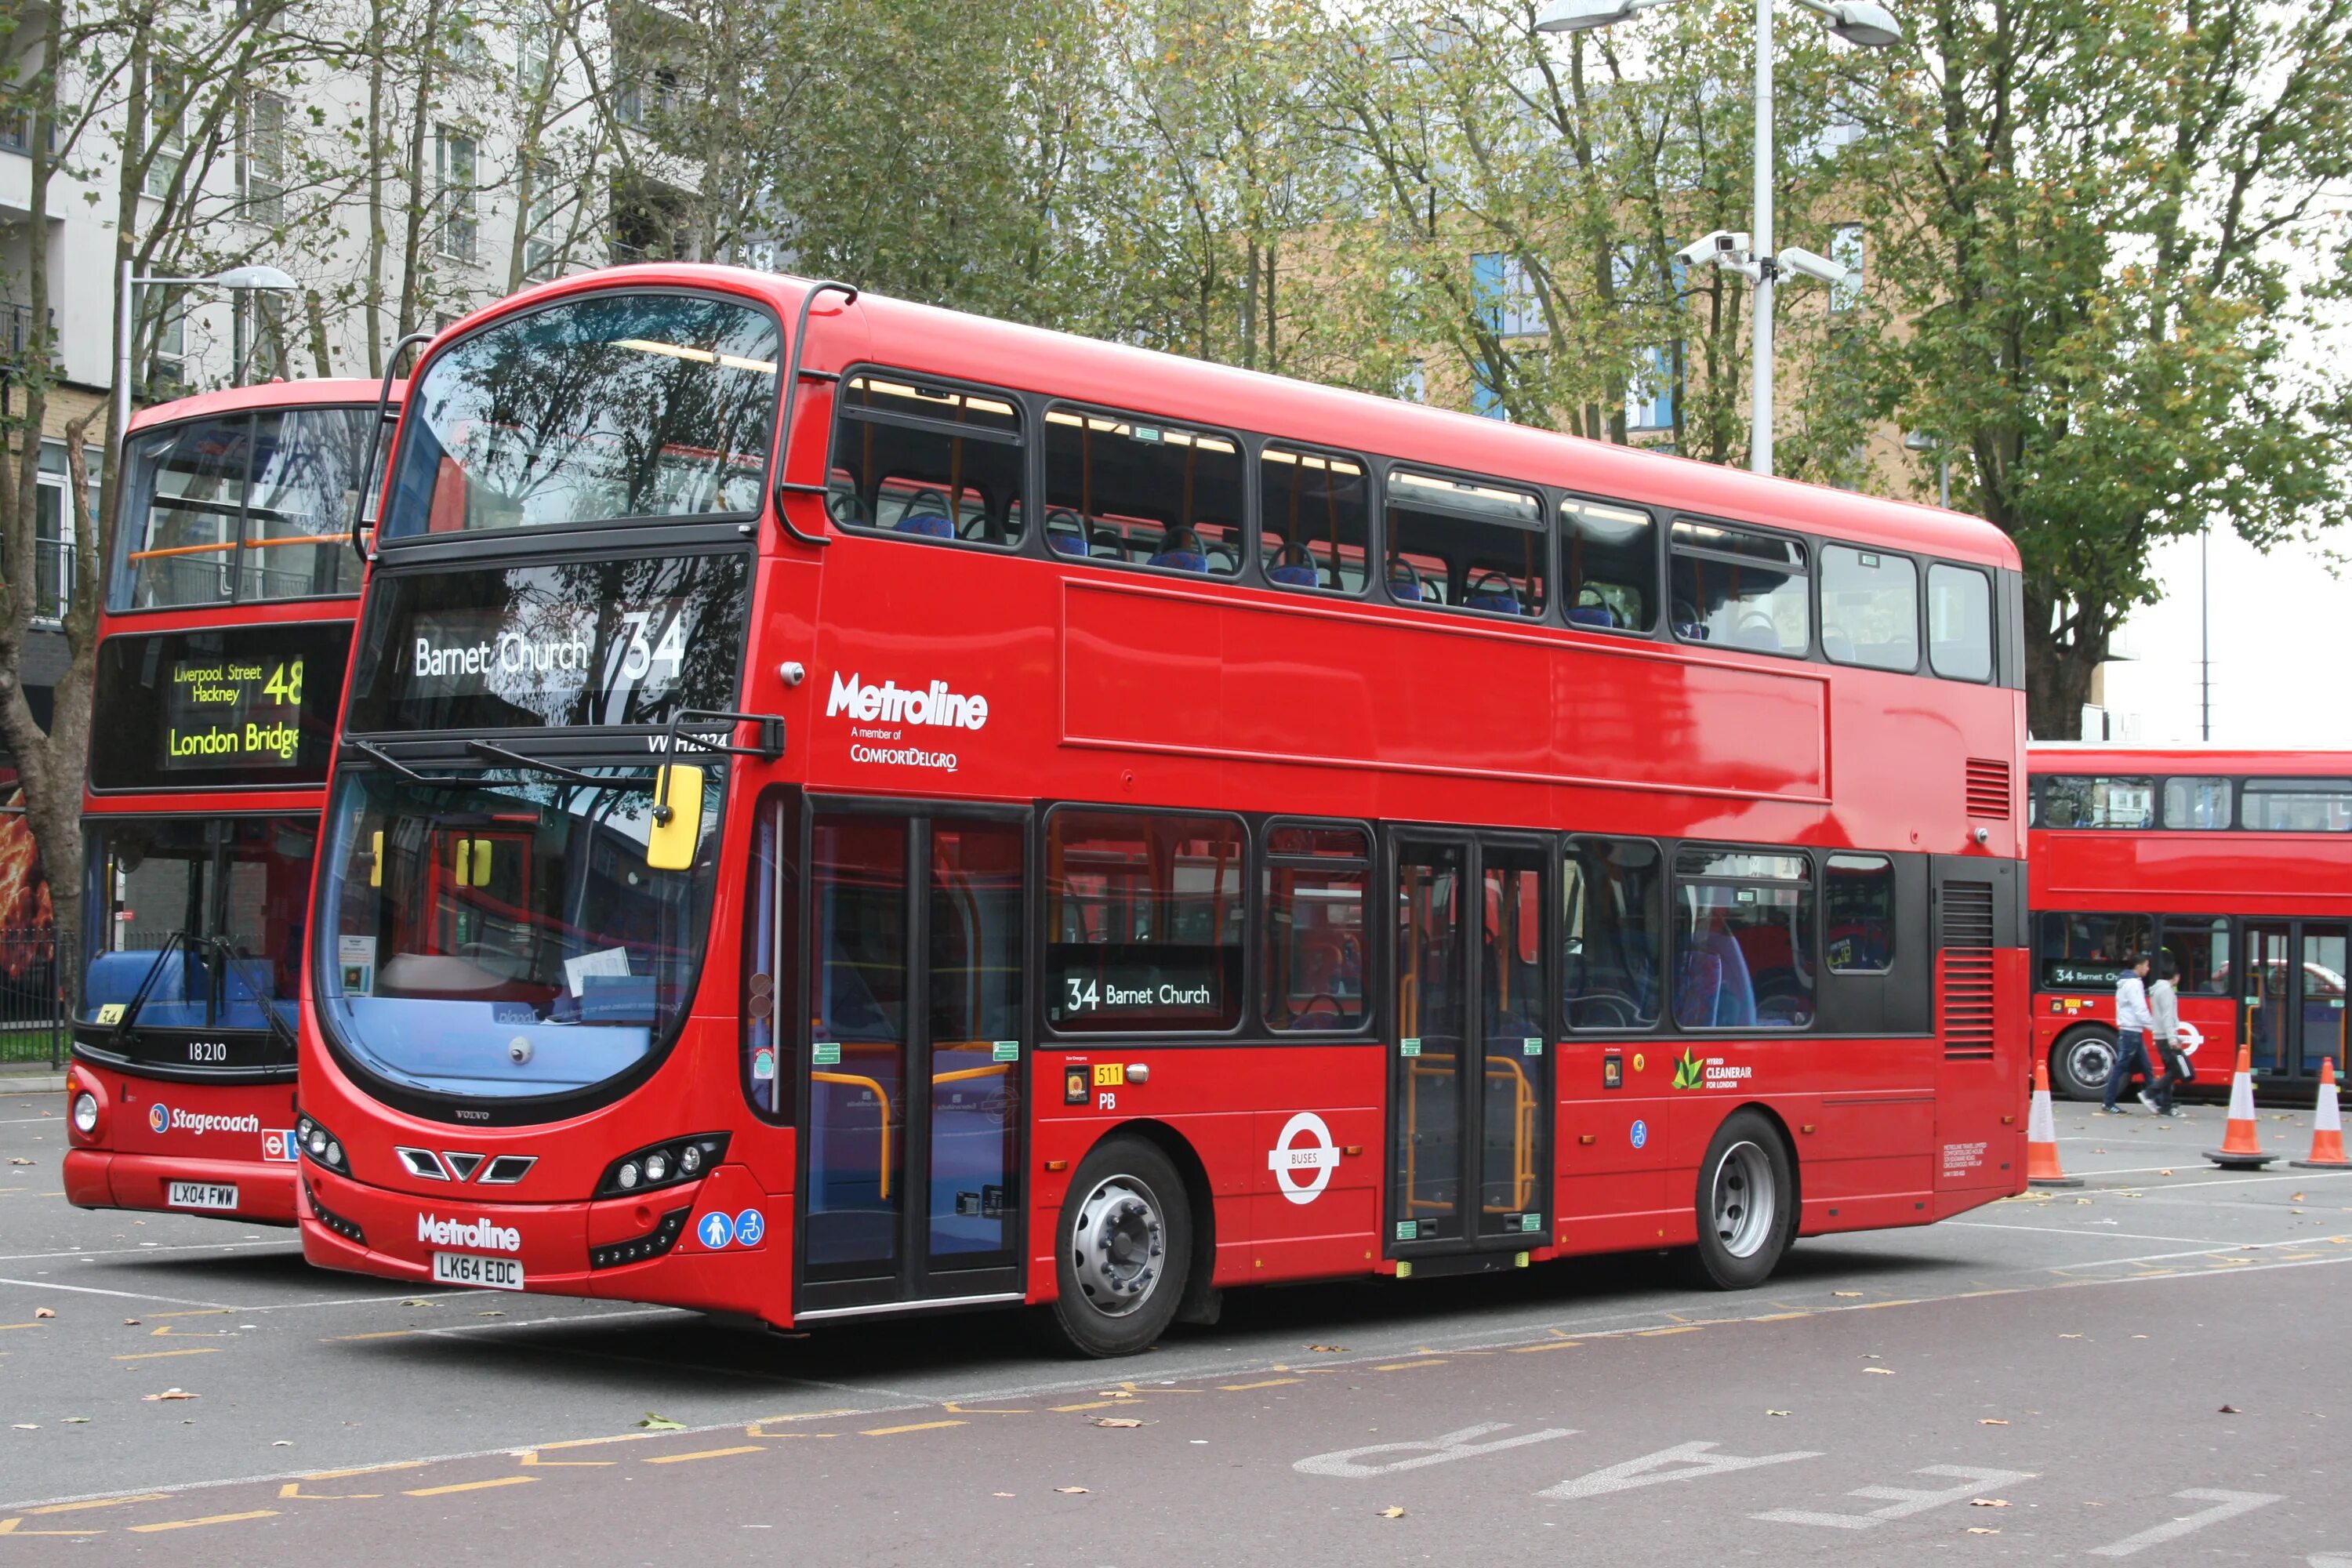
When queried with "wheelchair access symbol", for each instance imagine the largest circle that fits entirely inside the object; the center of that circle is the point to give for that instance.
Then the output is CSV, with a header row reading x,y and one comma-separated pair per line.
x,y
750,1227
715,1230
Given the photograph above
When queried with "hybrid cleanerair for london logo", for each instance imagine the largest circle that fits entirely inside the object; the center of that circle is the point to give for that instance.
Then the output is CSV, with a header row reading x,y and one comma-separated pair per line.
x,y
485,1233
161,1117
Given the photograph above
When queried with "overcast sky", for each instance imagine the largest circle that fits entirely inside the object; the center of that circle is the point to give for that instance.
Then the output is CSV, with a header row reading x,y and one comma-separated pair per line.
x,y
2282,633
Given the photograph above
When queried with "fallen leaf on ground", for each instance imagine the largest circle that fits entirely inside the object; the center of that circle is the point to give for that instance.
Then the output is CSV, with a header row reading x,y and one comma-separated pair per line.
x,y
2139,1336
2098,1151
1982,1529
489,1314
1392,1513
2164,1173
1117,1421
27,1427
2069,1336
653,1423
1775,1413
1328,1350
2084,1202
1988,1503
283,1442
2227,1410
2294,1197
44,1313
419,1303
1114,1394
1071,1491
1990,1421
1881,1371
18,1160
167,1393
1000,1494
77,1420
130,1323
1846,1292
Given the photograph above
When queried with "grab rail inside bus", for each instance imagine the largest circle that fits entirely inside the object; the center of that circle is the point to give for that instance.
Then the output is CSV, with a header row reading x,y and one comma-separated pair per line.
x,y
785,485
375,438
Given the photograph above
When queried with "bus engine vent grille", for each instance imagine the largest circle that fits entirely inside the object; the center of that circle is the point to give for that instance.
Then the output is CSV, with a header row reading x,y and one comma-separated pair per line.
x,y
1966,1025
1988,788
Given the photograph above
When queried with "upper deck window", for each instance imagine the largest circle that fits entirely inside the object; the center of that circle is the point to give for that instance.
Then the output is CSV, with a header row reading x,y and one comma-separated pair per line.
x,y
1740,588
1143,492
2086,802
1609,566
931,462
608,408
243,507
1960,623
1869,608
1466,544
2299,806
2196,802
1315,515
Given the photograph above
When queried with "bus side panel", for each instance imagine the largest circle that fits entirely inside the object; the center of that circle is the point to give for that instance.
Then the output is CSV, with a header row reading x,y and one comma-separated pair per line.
x,y
1611,1147
1981,1104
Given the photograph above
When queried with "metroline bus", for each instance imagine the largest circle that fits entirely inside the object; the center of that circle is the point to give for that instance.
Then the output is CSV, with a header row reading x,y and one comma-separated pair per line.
x,y
223,640
2237,863
1086,828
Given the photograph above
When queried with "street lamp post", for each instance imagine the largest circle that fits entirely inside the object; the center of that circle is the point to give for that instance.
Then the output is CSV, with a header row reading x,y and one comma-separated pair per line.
x,y
1858,22
237,279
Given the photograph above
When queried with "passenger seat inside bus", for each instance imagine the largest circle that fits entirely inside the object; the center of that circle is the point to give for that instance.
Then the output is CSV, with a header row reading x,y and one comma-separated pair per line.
x,y
927,514
1179,551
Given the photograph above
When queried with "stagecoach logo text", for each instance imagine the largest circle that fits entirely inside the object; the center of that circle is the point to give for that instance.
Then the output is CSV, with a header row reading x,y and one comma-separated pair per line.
x,y
890,703
485,1234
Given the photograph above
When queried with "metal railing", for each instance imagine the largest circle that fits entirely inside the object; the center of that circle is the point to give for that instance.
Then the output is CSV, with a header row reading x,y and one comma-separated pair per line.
x,y
36,983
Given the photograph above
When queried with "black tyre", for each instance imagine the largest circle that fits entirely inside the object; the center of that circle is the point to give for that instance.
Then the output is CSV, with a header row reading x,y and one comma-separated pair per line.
x,y
2080,1062
1124,1250
1746,1206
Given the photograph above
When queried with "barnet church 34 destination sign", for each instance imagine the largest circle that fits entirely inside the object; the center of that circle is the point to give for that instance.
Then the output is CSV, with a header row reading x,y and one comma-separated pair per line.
x,y
233,711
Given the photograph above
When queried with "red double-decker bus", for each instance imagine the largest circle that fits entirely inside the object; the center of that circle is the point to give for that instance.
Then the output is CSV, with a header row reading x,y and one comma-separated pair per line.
x,y
1081,827
223,641
2237,863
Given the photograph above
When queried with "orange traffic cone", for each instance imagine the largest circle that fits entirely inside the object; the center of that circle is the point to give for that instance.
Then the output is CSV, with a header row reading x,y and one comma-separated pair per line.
x,y
2241,1147
2041,1167
2327,1126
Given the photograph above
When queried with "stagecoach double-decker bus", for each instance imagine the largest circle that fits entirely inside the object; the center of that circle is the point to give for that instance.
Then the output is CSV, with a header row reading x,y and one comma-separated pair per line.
x,y
2237,863
223,639
1076,826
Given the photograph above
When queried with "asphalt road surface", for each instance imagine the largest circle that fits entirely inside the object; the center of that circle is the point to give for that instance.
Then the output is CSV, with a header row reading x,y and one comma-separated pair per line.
x,y
2043,1379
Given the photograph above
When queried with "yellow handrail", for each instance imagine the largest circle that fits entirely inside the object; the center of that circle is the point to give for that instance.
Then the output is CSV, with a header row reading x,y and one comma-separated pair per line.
x,y
883,1180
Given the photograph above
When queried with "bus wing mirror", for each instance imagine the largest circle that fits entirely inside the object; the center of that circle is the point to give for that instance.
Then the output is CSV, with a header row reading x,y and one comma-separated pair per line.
x,y
678,817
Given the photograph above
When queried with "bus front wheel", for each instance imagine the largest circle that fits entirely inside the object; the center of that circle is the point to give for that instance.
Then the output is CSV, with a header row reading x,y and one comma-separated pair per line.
x,y
1125,1250
2080,1064
1747,1205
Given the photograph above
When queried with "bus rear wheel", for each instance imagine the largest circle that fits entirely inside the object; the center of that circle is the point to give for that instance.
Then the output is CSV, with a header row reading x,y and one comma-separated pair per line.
x,y
1124,1252
2081,1062
1746,1206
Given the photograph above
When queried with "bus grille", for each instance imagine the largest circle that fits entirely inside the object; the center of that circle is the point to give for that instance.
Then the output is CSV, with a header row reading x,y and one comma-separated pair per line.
x,y
1988,788
1967,1023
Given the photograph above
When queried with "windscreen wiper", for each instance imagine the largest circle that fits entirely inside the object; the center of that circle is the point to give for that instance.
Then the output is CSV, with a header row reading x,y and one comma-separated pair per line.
x,y
377,753
123,1024
516,759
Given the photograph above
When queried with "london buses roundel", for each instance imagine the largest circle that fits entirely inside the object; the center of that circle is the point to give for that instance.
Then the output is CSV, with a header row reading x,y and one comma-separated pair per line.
x,y
1304,1158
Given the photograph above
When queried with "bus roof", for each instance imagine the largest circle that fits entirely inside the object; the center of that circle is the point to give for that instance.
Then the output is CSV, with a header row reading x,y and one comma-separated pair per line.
x,y
2097,757
954,343
318,392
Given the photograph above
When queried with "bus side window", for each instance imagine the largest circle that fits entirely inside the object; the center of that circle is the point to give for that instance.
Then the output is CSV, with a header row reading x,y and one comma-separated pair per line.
x,y
1315,521
926,462
1960,623
1743,939
1739,588
1465,544
1143,492
1609,566
2200,945
1313,904
1612,922
1861,910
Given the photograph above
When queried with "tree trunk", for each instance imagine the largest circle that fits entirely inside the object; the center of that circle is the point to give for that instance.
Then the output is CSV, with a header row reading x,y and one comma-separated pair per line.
x,y
2057,684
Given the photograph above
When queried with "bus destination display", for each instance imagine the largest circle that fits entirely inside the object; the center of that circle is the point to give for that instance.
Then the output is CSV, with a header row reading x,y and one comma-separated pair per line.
x,y
233,711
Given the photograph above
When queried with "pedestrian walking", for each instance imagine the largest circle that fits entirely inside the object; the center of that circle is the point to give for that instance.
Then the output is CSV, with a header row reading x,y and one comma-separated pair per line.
x,y
2133,1022
2164,1011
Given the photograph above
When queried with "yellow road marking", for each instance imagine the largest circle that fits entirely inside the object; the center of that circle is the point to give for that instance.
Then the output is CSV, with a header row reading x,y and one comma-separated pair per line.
x,y
208,1518
1132,1389
365,1470
1906,1302
8,1527
98,1502
704,1453
753,1430
379,1334
472,1486
531,1456
1269,1382
294,1490
1778,1317
1553,1345
1678,1329
966,1410
199,1313
917,1427
31,1325
159,1355
1409,1365
1091,1405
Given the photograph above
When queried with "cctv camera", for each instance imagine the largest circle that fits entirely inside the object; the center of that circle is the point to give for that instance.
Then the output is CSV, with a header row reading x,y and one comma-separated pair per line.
x,y
1821,268
1728,247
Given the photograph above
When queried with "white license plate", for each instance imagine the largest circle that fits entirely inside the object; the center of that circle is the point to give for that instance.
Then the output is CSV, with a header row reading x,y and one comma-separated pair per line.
x,y
473,1269
201,1196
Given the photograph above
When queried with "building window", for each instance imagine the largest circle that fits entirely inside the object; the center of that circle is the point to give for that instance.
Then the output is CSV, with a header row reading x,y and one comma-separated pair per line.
x,y
1650,394
265,159
260,319
167,108
1506,300
538,246
1486,392
535,44
53,533
455,156
1846,250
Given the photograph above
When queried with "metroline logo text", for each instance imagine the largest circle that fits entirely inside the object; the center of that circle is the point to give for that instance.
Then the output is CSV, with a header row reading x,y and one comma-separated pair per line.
x,y
485,1233
891,703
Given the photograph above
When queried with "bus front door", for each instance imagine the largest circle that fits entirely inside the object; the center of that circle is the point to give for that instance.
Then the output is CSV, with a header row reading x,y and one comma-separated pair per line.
x,y
1470,1081
912,1072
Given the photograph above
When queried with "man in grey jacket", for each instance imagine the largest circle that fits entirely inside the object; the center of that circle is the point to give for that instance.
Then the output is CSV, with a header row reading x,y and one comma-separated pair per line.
x,y
2164,1010
2133,1022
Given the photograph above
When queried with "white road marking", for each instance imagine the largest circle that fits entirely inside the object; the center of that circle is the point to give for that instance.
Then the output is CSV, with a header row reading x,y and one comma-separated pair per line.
x,y
293,1247
126,1295
1902,1501
1684,1462
2071,1230
2226,1505
1440,1450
